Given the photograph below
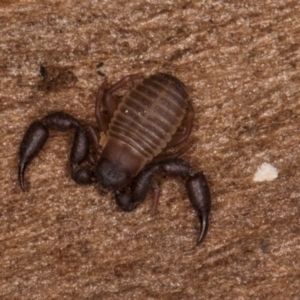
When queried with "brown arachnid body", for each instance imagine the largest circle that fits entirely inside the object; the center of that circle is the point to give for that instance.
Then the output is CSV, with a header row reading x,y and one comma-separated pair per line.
x,y
141,126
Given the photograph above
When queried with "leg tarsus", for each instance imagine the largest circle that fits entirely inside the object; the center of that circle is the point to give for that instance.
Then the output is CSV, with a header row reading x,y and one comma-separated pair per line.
x,y
199,196
122,82
173,155
156,188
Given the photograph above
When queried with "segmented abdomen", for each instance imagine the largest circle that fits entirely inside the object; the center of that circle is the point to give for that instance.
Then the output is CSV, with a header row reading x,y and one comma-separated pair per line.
x,y
150,114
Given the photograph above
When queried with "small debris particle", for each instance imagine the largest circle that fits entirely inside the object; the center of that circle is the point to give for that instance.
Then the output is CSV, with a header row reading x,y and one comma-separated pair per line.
x,y
99,65
265,172
101,74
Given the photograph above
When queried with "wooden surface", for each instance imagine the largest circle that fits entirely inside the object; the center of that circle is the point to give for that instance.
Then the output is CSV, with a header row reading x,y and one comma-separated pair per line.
x,y
241,62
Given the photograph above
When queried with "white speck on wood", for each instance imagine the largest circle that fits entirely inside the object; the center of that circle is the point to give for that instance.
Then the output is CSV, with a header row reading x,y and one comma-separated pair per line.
x,y
265,172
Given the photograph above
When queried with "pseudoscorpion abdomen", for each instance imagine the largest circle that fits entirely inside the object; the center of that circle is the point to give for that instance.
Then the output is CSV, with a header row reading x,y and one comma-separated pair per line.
x,y
150,114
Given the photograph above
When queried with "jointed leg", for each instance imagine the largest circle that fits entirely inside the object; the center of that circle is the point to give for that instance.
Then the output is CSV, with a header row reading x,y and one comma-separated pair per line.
x,y
95,138
156,189
100,117
196,187
172,155
110,103
179,138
